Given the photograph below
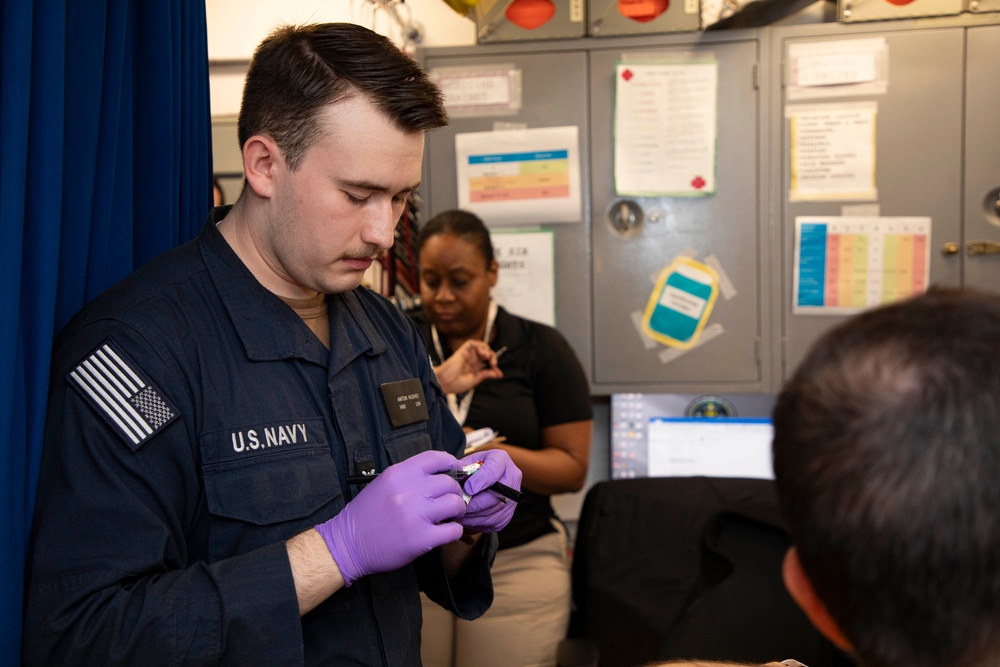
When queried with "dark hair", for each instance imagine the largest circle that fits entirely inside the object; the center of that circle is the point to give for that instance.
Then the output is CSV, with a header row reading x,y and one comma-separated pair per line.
x,y
886,458
297,71
462,224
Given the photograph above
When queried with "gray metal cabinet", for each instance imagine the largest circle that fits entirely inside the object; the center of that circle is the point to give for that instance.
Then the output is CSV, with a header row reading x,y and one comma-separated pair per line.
x,y
937,155
918,151
726,225
603,276
982,159
554,94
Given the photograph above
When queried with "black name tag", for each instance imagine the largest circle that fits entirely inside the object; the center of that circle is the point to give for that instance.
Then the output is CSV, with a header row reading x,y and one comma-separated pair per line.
x,y
405,402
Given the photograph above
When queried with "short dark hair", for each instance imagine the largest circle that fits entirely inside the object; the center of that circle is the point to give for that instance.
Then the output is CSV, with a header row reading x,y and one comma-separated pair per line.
x,y
886,459
462,224
297,71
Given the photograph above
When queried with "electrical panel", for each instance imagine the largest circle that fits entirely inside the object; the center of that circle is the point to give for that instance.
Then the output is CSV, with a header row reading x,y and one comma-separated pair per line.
x,y
610,18
529,20
851,11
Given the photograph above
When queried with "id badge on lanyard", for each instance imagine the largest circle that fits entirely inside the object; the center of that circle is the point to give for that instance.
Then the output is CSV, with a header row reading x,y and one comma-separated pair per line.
x,y
460,409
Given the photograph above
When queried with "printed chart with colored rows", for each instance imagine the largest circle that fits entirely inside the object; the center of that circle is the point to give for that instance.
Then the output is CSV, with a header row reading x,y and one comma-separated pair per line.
x,y
847,266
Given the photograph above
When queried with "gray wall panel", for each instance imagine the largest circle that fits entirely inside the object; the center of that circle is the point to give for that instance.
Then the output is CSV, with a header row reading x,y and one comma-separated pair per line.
x,y
918,153
982,154
726,224
555,95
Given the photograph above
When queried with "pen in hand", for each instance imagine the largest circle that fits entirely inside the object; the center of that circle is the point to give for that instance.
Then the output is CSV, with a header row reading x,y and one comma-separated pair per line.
x,y
497,487
498,353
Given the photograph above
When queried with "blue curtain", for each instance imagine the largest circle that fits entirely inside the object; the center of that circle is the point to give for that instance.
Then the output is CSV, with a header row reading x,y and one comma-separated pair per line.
x,y
105,163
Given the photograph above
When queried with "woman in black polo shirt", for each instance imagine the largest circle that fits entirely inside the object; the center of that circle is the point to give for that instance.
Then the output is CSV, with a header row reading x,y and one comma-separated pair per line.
x,y
541,409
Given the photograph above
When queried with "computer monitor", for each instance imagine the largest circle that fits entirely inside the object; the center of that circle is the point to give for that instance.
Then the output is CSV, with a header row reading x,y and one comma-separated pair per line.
x,y
689,435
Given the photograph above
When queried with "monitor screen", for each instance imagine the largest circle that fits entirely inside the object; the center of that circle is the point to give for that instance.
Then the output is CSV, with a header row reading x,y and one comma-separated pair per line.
x,y
685,435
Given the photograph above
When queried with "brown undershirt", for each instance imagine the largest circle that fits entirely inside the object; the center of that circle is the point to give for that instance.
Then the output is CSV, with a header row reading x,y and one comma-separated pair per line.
x,y
313,312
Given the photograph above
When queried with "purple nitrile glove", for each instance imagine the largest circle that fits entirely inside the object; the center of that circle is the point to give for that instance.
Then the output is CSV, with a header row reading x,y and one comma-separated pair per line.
x,y
403,513
489,512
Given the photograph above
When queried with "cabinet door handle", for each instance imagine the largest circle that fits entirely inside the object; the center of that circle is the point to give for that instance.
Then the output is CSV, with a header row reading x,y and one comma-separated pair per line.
x,y
982,248
625,215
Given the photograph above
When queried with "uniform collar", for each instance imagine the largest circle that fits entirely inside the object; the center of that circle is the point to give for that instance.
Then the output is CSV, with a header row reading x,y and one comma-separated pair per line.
x,y
271,330
352,332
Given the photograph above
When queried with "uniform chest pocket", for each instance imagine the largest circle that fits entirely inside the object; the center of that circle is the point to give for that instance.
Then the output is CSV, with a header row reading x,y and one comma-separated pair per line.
x,y
272,487
401,444
265,495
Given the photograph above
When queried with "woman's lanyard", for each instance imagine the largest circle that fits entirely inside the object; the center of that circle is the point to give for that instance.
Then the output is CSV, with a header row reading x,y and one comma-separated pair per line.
x,y
461,410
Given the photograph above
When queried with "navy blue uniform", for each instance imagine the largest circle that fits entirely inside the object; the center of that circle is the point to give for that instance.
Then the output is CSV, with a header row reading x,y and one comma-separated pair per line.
x,y
195,423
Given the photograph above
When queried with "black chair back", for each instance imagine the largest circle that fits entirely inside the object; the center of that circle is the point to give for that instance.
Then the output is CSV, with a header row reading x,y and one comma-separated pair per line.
x,y
688,568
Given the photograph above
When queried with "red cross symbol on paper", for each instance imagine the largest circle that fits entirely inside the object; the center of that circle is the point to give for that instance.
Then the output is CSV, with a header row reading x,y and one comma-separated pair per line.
x,y
698,182
627,74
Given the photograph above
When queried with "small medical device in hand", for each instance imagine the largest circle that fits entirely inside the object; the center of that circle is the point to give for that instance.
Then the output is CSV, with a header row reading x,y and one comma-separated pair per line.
x,y
465,472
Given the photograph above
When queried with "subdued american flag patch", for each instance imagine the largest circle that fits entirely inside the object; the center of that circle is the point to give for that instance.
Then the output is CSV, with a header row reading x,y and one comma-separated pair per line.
x,y
122,394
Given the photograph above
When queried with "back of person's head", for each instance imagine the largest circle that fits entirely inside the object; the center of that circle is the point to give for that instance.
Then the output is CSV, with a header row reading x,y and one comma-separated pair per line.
x,y
887,463
298,71
463,224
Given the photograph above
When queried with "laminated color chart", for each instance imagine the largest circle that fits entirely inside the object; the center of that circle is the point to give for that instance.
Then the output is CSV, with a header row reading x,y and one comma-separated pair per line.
x,y
518,177
845,265
512,176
